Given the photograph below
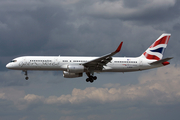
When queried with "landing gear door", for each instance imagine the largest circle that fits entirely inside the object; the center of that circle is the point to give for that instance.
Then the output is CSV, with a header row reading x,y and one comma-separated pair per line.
x,y
140,62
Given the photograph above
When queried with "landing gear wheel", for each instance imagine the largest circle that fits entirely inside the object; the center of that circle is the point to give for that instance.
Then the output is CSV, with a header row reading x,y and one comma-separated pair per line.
x,y
91,80
94,77
26,74
26,78
87,80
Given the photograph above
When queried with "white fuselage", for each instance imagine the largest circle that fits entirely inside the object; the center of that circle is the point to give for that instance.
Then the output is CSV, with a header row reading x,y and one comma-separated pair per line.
x,y
117,64
75,66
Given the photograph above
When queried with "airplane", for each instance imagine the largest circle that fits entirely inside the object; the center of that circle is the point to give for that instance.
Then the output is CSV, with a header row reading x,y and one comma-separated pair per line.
x,y
73,66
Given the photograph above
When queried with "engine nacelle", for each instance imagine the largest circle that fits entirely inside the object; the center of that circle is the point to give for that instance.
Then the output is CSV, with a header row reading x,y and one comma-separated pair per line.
x,y
75,68
71,75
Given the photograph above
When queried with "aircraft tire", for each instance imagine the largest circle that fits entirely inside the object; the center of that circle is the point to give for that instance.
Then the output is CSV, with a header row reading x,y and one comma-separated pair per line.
x,y
91,80
87,80
26,78
94,77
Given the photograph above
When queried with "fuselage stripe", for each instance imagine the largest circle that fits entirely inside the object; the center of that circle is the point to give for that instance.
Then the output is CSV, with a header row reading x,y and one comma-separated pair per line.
x,y
163,40
151,57
159,50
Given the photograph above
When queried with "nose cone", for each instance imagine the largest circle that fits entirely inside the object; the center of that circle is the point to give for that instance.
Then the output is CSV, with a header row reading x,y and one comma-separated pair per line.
x,y
9,66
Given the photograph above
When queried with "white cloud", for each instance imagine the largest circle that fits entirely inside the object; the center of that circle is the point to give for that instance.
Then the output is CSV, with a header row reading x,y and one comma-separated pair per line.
x,y
30,98
159,87
156,87
2,96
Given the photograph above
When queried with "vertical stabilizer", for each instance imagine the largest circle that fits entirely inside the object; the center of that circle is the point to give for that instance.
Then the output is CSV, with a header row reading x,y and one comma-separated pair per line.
x,y
156,50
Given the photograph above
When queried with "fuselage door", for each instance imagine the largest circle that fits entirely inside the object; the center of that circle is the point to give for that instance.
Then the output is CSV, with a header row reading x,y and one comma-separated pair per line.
x,y
140,63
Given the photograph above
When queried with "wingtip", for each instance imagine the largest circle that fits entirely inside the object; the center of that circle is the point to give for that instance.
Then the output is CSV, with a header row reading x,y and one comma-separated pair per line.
x,y
119,47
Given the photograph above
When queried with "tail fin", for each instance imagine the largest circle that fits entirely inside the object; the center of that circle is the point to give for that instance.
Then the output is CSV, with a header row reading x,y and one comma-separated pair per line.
x,y
156,50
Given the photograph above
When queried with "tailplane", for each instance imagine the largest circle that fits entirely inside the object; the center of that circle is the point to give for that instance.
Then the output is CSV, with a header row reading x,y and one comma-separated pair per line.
x,y
162,61
156,50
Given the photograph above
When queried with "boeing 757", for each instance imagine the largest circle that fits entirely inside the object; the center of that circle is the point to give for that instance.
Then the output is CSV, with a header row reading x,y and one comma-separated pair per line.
x,y
73,67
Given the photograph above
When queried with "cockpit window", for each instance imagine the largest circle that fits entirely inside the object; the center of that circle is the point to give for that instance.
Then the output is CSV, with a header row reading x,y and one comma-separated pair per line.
x,y
14,61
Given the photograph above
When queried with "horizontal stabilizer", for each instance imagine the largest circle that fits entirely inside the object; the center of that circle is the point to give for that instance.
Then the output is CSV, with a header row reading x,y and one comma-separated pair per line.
x,y
160,61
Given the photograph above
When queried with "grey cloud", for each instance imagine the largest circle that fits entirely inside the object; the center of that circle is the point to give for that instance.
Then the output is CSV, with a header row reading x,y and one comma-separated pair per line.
x,y
177,27
73,27
123,9
51,30
24,31
12,78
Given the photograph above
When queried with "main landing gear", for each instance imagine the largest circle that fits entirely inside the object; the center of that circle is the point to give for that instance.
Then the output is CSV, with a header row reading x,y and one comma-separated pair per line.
x,y
90,78
26,74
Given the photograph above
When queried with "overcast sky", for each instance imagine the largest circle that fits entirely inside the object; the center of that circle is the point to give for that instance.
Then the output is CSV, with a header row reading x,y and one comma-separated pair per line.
x,y
88,28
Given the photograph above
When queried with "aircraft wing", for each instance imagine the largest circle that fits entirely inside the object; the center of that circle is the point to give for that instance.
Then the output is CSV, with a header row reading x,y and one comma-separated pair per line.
x,y
103,60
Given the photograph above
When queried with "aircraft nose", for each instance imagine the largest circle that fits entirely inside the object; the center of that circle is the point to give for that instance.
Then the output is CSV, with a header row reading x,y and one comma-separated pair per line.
x,y
8,66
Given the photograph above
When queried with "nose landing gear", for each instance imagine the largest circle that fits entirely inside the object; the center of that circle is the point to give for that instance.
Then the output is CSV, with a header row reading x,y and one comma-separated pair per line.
x,y
26,74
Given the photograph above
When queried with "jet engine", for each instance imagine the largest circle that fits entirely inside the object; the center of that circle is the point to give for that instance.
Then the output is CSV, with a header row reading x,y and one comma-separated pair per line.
x,y
71,75
75,68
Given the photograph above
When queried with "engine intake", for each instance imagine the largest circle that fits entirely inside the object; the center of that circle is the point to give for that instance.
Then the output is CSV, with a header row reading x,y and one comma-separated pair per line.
x,y
71,75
